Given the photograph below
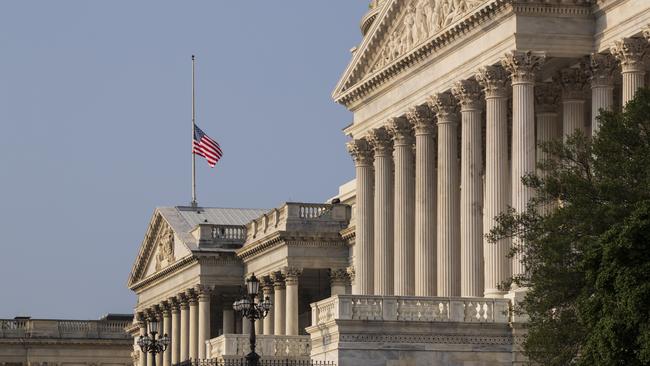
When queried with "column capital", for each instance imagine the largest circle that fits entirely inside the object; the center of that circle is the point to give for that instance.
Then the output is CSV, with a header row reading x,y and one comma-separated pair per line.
x,y
165,308
339,276
267,284
381,141
494,80
278,280
547,96
601,70
203,292
422,119
445,106
523,65
174,305
630,52
192,297
468,93
573,82
351,273
183,300
291,275
361,151
400,130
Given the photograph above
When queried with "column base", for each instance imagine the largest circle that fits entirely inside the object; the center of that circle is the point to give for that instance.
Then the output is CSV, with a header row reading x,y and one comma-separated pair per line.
x,y
494,293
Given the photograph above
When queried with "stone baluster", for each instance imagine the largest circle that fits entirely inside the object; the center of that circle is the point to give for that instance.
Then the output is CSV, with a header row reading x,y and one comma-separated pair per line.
x,y
402,133
279,288
468,93
194,325
601,75
267,290
185,328
292,275
573,83
382,145
204,294
494,81
630,52
175,341
424,125
166,328
444,105
522,67
364,241
338,281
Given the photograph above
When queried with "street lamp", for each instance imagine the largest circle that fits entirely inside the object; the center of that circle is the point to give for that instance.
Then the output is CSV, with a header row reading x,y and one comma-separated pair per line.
x,y
253,311
149,343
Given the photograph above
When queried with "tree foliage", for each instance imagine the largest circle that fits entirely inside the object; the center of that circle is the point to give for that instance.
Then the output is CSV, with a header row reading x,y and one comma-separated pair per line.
x,y
587,245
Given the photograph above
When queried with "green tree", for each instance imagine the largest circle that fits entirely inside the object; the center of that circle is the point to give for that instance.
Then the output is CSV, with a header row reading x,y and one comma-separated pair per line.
x,y
587,245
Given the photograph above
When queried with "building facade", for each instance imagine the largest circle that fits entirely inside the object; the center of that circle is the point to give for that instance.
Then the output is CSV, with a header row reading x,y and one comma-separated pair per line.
x,y
450,99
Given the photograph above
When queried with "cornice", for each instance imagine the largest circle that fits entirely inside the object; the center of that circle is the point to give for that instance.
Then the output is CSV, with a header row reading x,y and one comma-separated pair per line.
x,y
349,232
177,266
299,239
351,90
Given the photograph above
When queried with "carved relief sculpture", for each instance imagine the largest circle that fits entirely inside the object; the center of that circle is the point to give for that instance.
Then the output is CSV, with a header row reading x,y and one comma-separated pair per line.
x,y
165,252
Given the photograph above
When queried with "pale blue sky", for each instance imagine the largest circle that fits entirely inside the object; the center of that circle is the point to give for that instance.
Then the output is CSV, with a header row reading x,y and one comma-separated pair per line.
x,y
95,130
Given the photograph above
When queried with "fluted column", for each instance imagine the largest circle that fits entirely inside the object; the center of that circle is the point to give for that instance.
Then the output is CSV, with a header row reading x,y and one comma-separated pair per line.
x,y
175,341
601,75
494,80
546,108
204,294
245,324
228,318
424,125
194,327
267,290
185,328
522,67
291,280
167,329
468,93
364,241
161,324
630,52
573,83
402,133
448,240
382,145
279,325
259,324
142,325
149,357
338,281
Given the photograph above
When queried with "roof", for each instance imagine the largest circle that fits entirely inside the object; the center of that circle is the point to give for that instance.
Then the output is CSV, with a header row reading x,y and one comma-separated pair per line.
x,y
183,219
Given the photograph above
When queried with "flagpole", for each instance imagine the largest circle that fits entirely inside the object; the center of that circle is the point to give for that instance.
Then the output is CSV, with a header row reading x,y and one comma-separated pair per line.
x,y
193,203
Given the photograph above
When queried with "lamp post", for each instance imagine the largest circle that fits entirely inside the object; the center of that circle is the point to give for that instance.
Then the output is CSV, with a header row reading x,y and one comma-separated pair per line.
x,y
253,311
149,344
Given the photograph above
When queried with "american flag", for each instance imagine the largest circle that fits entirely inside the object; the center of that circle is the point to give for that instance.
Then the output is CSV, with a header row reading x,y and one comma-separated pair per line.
x,y
204,146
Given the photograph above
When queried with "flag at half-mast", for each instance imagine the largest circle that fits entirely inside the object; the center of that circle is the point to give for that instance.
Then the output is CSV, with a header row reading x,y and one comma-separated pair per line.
x,y
206,147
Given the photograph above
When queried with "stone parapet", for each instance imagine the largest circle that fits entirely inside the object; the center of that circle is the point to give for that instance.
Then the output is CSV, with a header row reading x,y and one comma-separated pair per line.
x,y
65,329
236,346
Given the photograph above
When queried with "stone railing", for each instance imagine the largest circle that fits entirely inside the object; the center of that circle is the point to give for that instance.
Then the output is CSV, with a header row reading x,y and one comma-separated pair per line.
x,y
219,236
43,328
410,308
230,346
303,217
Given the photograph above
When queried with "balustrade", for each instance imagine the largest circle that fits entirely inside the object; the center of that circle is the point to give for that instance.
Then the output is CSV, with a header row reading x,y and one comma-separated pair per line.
x,y
268,346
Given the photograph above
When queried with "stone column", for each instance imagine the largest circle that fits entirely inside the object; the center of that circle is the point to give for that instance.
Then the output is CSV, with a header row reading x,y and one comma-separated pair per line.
x,y
142,324
573,83
194,327
522,67
185,329
228,319
159,316
167,329
601,75
468,93
245,324
364,241
425,200
175,341
382,145
402,132
279,313
338,281
630,52
494,80
291,279
267,288
546,108
204,293
444,105
259,324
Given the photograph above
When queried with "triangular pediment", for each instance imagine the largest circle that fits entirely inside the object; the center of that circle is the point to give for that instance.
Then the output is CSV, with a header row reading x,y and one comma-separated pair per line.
x,y
401,29
160,249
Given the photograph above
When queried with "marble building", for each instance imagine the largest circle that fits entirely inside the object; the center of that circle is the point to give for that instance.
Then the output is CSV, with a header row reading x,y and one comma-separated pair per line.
x,y
449,99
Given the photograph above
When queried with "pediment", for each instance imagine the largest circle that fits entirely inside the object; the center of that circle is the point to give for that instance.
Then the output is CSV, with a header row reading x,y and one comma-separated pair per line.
x,y
160,249
401,29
